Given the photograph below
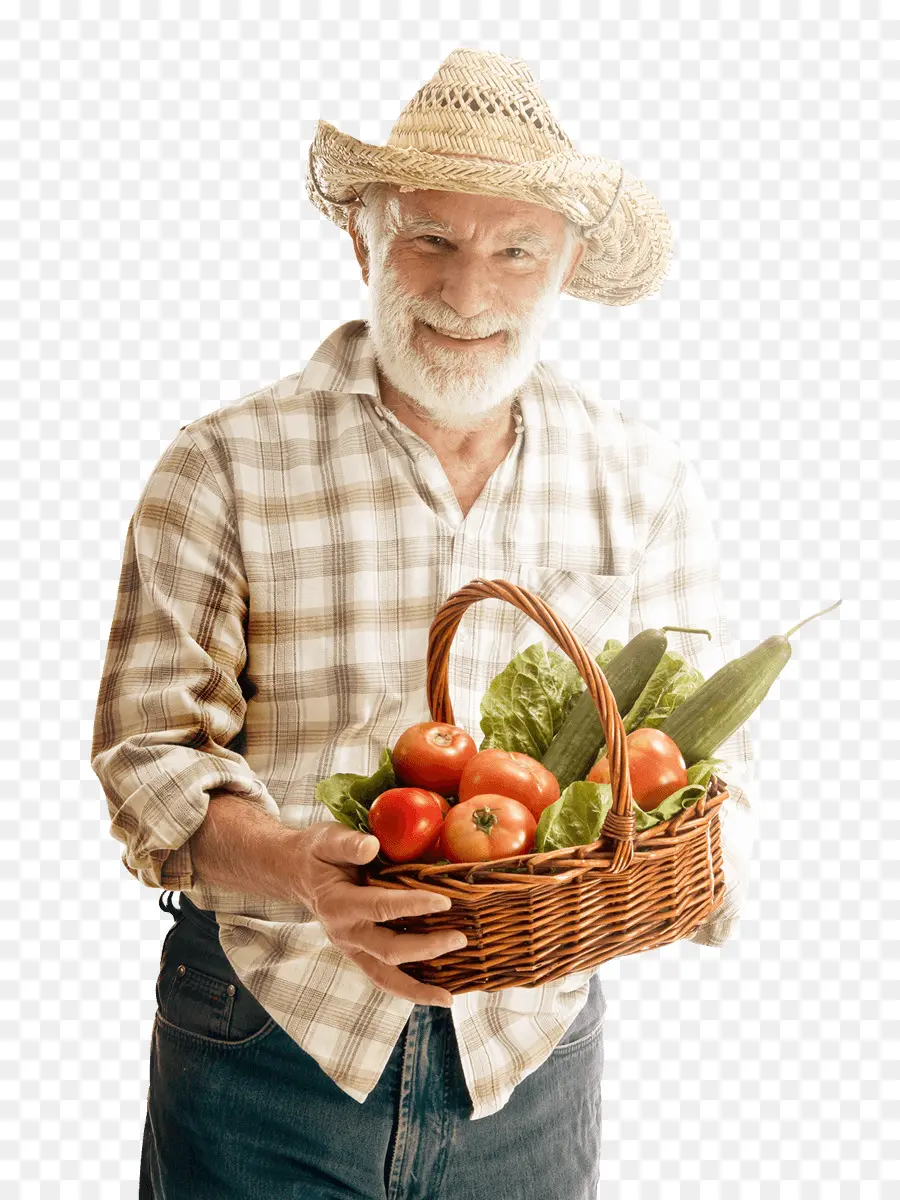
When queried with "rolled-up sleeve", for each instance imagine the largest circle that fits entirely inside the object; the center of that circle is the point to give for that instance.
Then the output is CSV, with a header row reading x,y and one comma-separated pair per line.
x,y
169,700
678,583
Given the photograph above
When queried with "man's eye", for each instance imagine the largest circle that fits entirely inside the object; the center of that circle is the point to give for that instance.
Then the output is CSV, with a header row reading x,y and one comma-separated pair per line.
x,y
433,237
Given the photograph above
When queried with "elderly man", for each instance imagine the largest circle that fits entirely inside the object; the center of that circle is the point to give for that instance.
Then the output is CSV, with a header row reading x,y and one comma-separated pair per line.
x,y
280,575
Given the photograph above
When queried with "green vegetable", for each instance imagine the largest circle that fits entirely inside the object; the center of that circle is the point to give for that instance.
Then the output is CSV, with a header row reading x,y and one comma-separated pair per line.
x,y
349,797
575,748
526,704
699,776
610,651
727,699
673,680
577,817
669,686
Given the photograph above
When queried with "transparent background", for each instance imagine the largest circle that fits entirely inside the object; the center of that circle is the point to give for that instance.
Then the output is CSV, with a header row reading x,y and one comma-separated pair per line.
x,y
160,259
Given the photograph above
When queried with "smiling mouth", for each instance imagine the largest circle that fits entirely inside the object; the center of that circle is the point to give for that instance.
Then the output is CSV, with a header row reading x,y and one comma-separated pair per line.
x,y
450,337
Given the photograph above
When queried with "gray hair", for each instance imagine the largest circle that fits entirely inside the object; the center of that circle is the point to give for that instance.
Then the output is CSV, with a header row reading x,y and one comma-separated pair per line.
x,y
378,221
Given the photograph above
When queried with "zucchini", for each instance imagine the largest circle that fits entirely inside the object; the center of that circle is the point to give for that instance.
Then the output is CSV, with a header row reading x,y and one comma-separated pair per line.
x,y
721,705
572,752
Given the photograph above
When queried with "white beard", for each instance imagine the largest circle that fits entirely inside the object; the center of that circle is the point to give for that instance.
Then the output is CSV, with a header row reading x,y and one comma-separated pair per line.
x,y
454,389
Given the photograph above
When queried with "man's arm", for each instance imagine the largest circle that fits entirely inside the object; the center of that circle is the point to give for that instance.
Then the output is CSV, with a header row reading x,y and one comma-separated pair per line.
x,y
678,583
169,701
242,848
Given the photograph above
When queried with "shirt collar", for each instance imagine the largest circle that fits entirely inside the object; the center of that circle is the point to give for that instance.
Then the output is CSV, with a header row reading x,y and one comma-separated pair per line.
x,y
345,362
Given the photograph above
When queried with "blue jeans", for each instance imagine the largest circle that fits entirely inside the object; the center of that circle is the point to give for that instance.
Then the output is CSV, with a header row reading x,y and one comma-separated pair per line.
x,y
237,1110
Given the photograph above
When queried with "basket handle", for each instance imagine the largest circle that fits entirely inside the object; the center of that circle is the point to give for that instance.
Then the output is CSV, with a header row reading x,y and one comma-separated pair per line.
x,y
619,824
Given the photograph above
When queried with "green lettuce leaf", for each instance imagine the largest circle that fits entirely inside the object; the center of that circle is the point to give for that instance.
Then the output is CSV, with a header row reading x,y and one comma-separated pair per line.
x,y
607,654
670,684
577,817
526,704
349,797
698,782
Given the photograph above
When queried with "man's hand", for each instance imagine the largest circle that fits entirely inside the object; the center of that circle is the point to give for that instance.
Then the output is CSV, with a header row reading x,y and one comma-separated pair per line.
x,y
328,878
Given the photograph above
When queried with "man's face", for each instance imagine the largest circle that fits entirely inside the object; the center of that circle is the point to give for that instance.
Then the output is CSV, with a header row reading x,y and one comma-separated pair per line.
x,y
469,265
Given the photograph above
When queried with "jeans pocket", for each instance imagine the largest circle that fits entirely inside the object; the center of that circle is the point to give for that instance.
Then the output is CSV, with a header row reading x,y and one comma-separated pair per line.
x,y
200,996
580,1043
588,1023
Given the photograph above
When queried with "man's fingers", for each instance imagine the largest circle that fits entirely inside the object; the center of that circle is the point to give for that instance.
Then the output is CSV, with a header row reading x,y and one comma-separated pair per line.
x,y
384,904
393,980
338,844
396,948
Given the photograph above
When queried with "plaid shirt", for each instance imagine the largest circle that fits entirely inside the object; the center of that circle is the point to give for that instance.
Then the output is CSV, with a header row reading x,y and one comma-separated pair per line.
x,y
280,572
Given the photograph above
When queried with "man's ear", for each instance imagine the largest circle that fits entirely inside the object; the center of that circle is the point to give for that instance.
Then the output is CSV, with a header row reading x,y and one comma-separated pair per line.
x,y
359,246
574,267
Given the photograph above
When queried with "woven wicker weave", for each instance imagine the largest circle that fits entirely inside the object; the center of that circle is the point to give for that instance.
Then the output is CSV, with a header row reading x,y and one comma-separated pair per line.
x,y
532,918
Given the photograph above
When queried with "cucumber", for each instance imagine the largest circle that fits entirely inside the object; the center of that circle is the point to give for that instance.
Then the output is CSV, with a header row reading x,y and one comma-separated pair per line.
x,y
572,752
721,705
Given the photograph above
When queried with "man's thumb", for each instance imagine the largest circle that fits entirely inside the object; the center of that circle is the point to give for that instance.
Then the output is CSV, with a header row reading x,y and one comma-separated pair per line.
x,y
364,847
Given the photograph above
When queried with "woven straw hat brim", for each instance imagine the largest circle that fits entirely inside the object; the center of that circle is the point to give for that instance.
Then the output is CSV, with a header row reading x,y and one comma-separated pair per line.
x,y
629,247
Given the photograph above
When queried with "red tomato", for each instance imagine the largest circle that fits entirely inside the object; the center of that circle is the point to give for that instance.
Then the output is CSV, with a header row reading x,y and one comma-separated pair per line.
x,y
432,755
509,773
442,801
656,767
406,822
486,827
434,852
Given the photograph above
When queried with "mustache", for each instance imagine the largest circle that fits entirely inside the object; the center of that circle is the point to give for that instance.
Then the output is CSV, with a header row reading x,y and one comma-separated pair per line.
x,y
441,327
403,309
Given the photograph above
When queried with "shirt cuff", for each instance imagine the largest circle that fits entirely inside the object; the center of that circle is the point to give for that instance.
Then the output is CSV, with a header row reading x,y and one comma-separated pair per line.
x,y
176,874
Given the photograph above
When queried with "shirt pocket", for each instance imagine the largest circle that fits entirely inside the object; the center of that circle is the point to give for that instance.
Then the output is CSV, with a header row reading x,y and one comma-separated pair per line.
x,y
595,607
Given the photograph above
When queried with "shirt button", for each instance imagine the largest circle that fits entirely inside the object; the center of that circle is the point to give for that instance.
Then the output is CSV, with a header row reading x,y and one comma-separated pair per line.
x,y
231,989
181,970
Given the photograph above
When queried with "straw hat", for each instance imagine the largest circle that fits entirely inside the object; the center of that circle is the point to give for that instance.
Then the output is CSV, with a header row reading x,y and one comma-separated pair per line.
x,y
480,125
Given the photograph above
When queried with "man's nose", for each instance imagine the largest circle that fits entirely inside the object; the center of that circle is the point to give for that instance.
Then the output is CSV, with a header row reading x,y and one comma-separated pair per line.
x,y
469,290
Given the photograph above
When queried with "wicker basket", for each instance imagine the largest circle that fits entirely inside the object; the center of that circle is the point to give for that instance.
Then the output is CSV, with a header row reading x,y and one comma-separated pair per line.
x,y
534,917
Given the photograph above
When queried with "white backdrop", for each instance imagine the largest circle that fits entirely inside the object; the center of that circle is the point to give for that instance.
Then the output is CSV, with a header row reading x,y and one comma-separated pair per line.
x,y
161,259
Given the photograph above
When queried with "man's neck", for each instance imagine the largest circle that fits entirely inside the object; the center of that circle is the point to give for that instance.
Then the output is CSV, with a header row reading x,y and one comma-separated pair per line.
x,y
455,444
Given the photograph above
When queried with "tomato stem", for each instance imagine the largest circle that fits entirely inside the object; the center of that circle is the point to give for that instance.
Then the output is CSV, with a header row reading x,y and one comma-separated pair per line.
x,y
484,819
